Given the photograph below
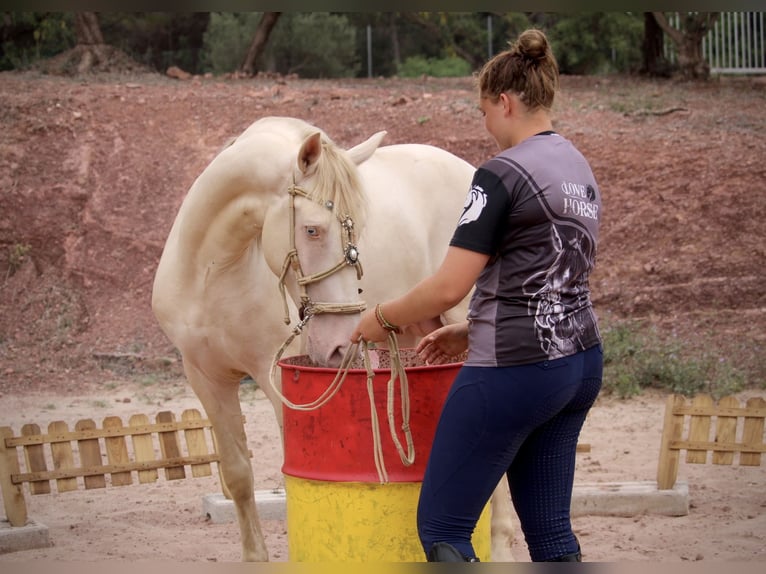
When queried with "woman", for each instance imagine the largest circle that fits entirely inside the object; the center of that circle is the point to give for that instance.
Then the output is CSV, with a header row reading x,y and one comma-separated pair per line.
x,y
527,241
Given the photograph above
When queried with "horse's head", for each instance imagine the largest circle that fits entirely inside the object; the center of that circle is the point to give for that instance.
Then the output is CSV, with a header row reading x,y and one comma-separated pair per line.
x,y
310,241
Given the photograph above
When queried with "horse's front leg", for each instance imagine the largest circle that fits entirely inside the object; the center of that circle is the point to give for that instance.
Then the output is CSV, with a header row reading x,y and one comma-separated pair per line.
x,y
221,403
501,523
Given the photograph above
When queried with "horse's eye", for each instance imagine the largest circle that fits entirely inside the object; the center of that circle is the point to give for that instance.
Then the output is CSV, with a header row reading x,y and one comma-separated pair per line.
x,y
312,231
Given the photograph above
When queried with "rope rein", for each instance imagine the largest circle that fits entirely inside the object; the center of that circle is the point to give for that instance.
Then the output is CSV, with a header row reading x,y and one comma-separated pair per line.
x,y
397,372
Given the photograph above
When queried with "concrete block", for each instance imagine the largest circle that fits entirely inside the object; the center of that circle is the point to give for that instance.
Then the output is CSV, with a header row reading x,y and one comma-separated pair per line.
x,y
597,499
269,503
629,499
28,537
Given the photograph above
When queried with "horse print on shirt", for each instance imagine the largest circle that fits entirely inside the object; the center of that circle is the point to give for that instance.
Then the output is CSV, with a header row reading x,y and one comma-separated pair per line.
x,y
561,307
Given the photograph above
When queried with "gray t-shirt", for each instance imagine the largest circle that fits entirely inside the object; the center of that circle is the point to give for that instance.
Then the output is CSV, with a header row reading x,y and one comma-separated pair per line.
x,y
535,209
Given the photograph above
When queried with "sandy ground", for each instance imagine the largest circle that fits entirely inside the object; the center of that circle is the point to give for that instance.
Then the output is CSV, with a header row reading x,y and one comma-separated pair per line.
x,y
165,521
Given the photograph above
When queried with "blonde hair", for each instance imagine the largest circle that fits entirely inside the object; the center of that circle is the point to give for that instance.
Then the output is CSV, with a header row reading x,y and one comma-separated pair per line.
x,y
527,68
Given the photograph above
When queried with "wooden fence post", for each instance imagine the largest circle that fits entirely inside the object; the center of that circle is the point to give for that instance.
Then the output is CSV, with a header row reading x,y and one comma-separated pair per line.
x,y
672,429
117,452
144,448
699,428
63,457
13,495
752,434
34,455
90,454
169,447
726,431
195,443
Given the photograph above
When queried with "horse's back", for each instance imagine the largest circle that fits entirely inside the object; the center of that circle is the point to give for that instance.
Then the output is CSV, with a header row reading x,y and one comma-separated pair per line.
x,y
416,193
420,184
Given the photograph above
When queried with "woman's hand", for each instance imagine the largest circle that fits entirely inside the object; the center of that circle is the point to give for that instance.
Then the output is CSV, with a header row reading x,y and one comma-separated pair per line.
x,y
444,344
368,329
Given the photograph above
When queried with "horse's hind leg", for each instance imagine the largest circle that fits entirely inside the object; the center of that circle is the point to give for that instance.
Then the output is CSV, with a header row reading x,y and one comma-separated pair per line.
x,y
501,524
220,400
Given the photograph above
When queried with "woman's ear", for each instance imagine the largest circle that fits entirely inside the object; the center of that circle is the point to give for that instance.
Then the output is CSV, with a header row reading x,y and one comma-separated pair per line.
x,y
507,103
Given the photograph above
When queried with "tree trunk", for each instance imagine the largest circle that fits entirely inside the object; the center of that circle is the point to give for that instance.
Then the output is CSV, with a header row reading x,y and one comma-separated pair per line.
x,y
688,41
88,29
654,61
260,39
394,32
90,41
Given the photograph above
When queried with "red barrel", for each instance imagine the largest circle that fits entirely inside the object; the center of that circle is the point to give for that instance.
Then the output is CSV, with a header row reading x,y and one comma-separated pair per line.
x,y
335,442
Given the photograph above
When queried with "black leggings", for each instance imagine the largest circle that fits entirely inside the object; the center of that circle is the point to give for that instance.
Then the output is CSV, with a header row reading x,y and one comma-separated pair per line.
x,y
523,421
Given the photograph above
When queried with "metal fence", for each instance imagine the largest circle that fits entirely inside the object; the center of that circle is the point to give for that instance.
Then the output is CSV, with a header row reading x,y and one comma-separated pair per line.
x,y
735,45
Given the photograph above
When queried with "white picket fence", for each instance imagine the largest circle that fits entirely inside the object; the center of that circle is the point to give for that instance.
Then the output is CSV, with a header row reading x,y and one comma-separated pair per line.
x,y
735,45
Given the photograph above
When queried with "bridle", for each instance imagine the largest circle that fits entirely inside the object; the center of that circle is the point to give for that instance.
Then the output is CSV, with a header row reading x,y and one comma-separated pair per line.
x,y
309,308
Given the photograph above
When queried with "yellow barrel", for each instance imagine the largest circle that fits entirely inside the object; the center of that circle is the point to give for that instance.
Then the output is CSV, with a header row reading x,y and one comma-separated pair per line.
x,y
337,508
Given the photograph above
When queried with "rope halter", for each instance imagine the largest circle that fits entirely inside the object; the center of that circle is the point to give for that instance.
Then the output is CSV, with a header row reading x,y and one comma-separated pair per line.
x,y
307,307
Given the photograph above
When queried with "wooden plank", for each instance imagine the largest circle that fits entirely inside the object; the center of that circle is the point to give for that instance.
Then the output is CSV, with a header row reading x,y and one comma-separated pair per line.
x,y
13,494
672,429
699,429
752,433
143,447
117,452
90,454
63,457
731,447
718,409
102,433
34,455
170,447
725,432
21,477
196,443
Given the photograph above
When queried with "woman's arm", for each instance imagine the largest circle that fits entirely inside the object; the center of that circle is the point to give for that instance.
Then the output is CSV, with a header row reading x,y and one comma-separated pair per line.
x,y
429,298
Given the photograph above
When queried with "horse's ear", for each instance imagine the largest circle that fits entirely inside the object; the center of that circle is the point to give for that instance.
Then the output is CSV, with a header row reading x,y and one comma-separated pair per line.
x,y
364,150
310,152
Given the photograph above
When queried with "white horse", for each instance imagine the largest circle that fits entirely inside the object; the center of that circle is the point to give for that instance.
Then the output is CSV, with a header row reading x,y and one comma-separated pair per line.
x,y
219,303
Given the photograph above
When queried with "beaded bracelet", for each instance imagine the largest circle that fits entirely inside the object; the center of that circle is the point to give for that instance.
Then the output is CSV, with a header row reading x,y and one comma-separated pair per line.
x,y
383,323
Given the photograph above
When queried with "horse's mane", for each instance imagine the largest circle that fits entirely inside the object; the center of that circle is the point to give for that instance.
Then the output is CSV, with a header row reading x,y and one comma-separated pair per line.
x,y
337,180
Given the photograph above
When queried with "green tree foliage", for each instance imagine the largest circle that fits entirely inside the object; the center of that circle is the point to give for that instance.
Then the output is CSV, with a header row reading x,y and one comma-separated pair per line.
x,y
26,37
324,44
313,45
227,39
157,39
310,44
595,42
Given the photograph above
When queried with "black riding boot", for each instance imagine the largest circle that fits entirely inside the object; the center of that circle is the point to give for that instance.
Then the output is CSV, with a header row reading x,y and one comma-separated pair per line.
x,y
576,557
444,552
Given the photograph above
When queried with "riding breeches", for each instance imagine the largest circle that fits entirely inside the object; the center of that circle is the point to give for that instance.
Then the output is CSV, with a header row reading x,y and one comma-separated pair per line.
x,y
521,421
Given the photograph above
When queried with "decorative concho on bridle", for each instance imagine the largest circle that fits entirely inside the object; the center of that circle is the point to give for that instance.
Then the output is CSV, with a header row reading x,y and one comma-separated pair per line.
x,y
309,308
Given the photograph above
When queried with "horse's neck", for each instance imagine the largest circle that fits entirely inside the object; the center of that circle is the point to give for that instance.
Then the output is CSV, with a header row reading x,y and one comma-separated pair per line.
x,y
218,231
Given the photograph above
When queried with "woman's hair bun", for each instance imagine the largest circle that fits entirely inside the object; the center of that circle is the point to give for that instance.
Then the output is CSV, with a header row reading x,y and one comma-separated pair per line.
x,y
532,45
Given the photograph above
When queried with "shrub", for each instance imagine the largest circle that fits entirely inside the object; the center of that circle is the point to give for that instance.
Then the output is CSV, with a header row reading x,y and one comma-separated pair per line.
x,y
450,67
636,358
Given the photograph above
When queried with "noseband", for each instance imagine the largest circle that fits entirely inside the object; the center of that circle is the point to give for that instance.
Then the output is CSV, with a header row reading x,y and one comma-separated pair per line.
x,y
308,308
